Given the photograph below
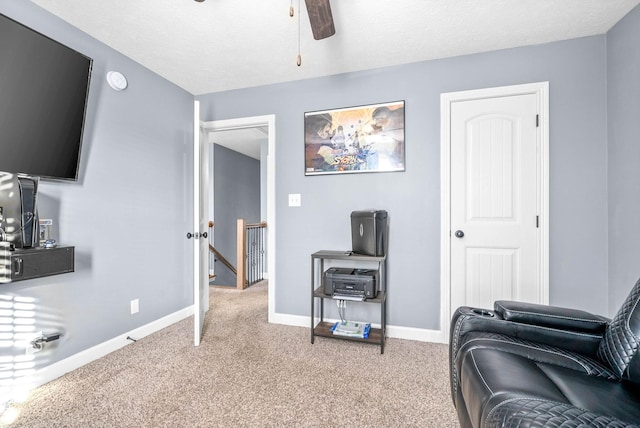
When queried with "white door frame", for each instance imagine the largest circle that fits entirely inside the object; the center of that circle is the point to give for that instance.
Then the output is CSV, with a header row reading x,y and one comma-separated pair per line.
x,y
254,122
541,90
200,198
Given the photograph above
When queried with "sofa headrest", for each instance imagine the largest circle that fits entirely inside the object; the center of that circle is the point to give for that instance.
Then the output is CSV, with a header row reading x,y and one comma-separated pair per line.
x,y
620,347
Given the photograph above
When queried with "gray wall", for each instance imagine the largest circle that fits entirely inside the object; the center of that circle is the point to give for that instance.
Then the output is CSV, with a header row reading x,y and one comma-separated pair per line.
x,y
623,85
578,171
128,214
236,194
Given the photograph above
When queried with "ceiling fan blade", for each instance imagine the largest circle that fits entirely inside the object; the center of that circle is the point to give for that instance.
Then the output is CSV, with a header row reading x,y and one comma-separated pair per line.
x,y
321,18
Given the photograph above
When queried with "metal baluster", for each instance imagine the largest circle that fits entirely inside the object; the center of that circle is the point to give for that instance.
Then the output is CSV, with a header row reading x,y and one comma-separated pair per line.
x,y
259,278
262,260
255,246
250,267
249,255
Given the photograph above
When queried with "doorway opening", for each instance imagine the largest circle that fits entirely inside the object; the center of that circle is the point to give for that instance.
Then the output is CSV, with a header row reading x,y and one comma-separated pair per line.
x,y
237,206
253,137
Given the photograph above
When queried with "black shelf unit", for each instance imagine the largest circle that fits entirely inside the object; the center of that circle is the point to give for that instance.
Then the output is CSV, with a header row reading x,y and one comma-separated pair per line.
x,y
38,262
323,328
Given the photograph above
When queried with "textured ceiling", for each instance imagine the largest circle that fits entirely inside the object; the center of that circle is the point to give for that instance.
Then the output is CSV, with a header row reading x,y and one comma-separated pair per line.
x,y
219,45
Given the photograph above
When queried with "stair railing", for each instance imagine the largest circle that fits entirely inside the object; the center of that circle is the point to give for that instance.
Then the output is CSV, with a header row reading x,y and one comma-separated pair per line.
x,y
251,244
251,254
218,255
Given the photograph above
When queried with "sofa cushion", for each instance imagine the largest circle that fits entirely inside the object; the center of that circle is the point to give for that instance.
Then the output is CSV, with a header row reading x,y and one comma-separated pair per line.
x,y
620,347
537,351
489,378
531,412
617,398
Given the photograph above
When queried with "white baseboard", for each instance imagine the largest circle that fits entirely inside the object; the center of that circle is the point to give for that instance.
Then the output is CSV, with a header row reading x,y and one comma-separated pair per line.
x,y
418,334
80,359
398,332
292,320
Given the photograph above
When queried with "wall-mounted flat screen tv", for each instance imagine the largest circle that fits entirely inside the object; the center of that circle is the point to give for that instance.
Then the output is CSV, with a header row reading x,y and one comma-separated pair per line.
x,y
44,88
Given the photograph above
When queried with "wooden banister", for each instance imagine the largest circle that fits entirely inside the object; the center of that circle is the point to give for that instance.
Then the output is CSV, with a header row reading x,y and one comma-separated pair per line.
x,y
219,255
222,259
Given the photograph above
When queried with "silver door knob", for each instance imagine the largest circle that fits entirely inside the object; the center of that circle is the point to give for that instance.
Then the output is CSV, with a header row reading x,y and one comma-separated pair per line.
x,y
459,234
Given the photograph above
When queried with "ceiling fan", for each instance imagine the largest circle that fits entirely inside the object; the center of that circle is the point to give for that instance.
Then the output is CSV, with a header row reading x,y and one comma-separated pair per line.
x,y
321,18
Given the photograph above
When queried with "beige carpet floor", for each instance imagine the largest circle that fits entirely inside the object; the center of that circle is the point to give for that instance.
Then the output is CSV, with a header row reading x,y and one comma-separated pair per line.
x,y
249,373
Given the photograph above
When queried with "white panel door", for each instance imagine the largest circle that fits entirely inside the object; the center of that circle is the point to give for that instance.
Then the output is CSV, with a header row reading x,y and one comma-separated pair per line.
x,y
494,201
200,225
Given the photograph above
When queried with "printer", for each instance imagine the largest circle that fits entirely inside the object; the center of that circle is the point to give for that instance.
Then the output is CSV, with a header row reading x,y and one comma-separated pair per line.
x,y
345,282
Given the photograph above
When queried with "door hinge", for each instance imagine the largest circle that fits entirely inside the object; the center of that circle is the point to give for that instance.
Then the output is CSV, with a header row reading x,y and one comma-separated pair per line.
x,y
537,221
537,120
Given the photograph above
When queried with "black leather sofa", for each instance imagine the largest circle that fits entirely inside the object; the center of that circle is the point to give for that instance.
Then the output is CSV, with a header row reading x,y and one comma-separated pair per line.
x,y
525,365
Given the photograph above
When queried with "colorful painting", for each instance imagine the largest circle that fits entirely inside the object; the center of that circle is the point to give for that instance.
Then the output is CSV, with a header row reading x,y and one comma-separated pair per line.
x,y
355,139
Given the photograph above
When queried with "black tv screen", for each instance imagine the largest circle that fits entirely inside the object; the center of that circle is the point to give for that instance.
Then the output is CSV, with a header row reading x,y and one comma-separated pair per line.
x,y
44,88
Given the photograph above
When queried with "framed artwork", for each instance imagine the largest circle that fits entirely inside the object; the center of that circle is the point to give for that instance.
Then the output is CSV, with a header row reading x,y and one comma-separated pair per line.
x,y
355,139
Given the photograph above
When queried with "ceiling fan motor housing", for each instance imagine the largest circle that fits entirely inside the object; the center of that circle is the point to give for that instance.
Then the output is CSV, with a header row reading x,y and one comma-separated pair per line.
x,y
320,18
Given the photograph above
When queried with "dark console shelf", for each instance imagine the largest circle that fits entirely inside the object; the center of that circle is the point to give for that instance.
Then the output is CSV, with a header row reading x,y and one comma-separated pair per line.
x,y
30,263
323,328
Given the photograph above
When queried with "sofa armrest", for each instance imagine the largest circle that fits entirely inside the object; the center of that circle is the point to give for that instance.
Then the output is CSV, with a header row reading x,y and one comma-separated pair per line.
x,y
468,323
551,317
469,320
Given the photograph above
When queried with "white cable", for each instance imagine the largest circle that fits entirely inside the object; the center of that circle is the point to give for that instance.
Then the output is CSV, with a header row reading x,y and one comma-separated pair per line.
x,y
342,305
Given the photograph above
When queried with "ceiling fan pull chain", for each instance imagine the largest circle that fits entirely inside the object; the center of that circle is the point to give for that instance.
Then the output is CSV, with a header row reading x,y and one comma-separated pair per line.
x,y
299,58
291,14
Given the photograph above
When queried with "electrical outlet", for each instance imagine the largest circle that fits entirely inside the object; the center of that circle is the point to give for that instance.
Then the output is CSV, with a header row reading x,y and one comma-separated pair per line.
x,y
295,200
135,306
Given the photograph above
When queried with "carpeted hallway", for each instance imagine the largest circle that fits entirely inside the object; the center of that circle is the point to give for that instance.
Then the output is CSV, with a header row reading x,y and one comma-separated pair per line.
x,y
248,373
